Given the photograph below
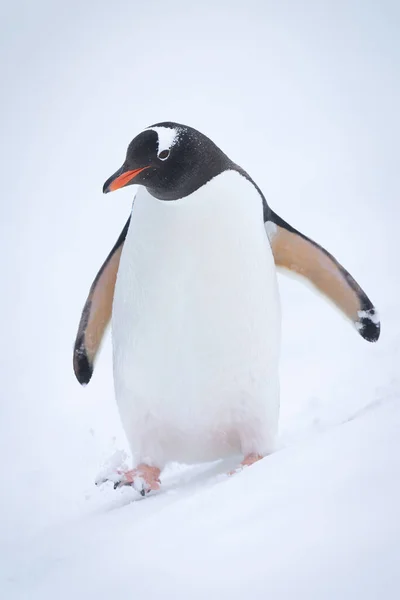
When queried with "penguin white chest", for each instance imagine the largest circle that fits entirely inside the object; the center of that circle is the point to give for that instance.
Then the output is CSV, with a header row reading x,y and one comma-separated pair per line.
x,y
196,326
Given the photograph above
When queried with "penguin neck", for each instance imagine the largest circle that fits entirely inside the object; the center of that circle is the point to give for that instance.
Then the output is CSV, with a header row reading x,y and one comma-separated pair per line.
x,y
227,202
197,174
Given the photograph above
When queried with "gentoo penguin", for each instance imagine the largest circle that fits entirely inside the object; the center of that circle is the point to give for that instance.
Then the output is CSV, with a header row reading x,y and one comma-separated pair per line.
x,y
191,286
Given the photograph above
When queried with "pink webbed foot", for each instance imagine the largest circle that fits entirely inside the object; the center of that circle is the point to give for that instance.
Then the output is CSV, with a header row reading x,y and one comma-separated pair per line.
x,y
143,479
248,460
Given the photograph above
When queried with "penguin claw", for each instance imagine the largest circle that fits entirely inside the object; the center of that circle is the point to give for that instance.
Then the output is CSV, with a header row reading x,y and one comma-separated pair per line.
x,y
143,479
249,460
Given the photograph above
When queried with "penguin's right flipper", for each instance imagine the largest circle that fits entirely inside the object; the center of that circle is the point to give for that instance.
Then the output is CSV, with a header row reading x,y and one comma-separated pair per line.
x,y
96,313
294,251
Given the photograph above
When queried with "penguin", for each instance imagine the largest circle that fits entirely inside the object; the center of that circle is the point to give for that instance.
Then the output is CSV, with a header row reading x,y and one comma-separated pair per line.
x,y
191,290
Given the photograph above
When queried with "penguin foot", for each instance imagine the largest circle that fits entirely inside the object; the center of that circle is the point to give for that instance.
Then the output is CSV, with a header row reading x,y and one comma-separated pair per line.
x,y
143,479
248,460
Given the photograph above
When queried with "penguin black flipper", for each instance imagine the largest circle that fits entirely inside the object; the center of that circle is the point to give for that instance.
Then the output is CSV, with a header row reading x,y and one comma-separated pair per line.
x,y
96,313
294,251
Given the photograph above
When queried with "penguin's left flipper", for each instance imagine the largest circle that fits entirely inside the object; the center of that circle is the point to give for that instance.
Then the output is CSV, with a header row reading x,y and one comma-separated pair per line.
x,y
294,251
96,313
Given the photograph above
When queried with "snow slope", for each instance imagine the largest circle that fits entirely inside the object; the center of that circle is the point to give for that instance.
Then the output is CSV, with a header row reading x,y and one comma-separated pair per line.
x,y
305,97
317,520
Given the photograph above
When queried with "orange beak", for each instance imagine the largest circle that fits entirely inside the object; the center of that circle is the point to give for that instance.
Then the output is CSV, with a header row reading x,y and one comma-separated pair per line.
x,y
123,179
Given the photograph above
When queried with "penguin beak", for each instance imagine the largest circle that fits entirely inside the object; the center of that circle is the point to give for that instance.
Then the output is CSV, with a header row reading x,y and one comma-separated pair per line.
x,y
120,179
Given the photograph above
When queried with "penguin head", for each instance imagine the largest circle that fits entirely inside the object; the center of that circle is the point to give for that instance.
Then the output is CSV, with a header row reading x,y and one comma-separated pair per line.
x,y
170,160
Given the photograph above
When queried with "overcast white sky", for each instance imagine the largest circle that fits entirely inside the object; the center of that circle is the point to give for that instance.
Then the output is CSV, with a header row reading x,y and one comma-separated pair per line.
x,y
304,95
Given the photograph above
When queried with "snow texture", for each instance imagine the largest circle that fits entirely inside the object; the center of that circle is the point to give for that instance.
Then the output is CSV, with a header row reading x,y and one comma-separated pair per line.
x,y
371,315
305,97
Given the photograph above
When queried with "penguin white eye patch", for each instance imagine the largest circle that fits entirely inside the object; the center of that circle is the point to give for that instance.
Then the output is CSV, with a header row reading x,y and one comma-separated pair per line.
x,y
163,155
167,137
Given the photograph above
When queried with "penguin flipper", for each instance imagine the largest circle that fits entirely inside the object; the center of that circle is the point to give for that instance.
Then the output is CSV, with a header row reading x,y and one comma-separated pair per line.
x,y
96,313
294,251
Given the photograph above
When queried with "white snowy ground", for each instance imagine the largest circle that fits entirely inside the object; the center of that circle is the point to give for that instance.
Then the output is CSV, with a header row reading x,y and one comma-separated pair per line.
x,y
304,96
316,520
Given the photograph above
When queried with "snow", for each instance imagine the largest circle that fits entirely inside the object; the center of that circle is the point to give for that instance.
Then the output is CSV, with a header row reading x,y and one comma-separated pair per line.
x,y
319,517
369,314
318,520
118,462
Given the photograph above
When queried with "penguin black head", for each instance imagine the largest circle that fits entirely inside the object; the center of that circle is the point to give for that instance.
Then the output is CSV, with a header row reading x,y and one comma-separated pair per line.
x,y
170,160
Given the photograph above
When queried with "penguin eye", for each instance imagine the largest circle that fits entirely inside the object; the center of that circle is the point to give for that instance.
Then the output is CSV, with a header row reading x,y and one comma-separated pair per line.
x,y
163,155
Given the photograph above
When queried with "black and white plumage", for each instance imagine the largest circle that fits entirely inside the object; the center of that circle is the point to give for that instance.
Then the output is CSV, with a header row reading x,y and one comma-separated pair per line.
x,y
195,310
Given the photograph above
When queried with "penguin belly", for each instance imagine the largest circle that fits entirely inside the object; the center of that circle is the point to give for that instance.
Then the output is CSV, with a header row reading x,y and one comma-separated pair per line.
x,y
196,326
